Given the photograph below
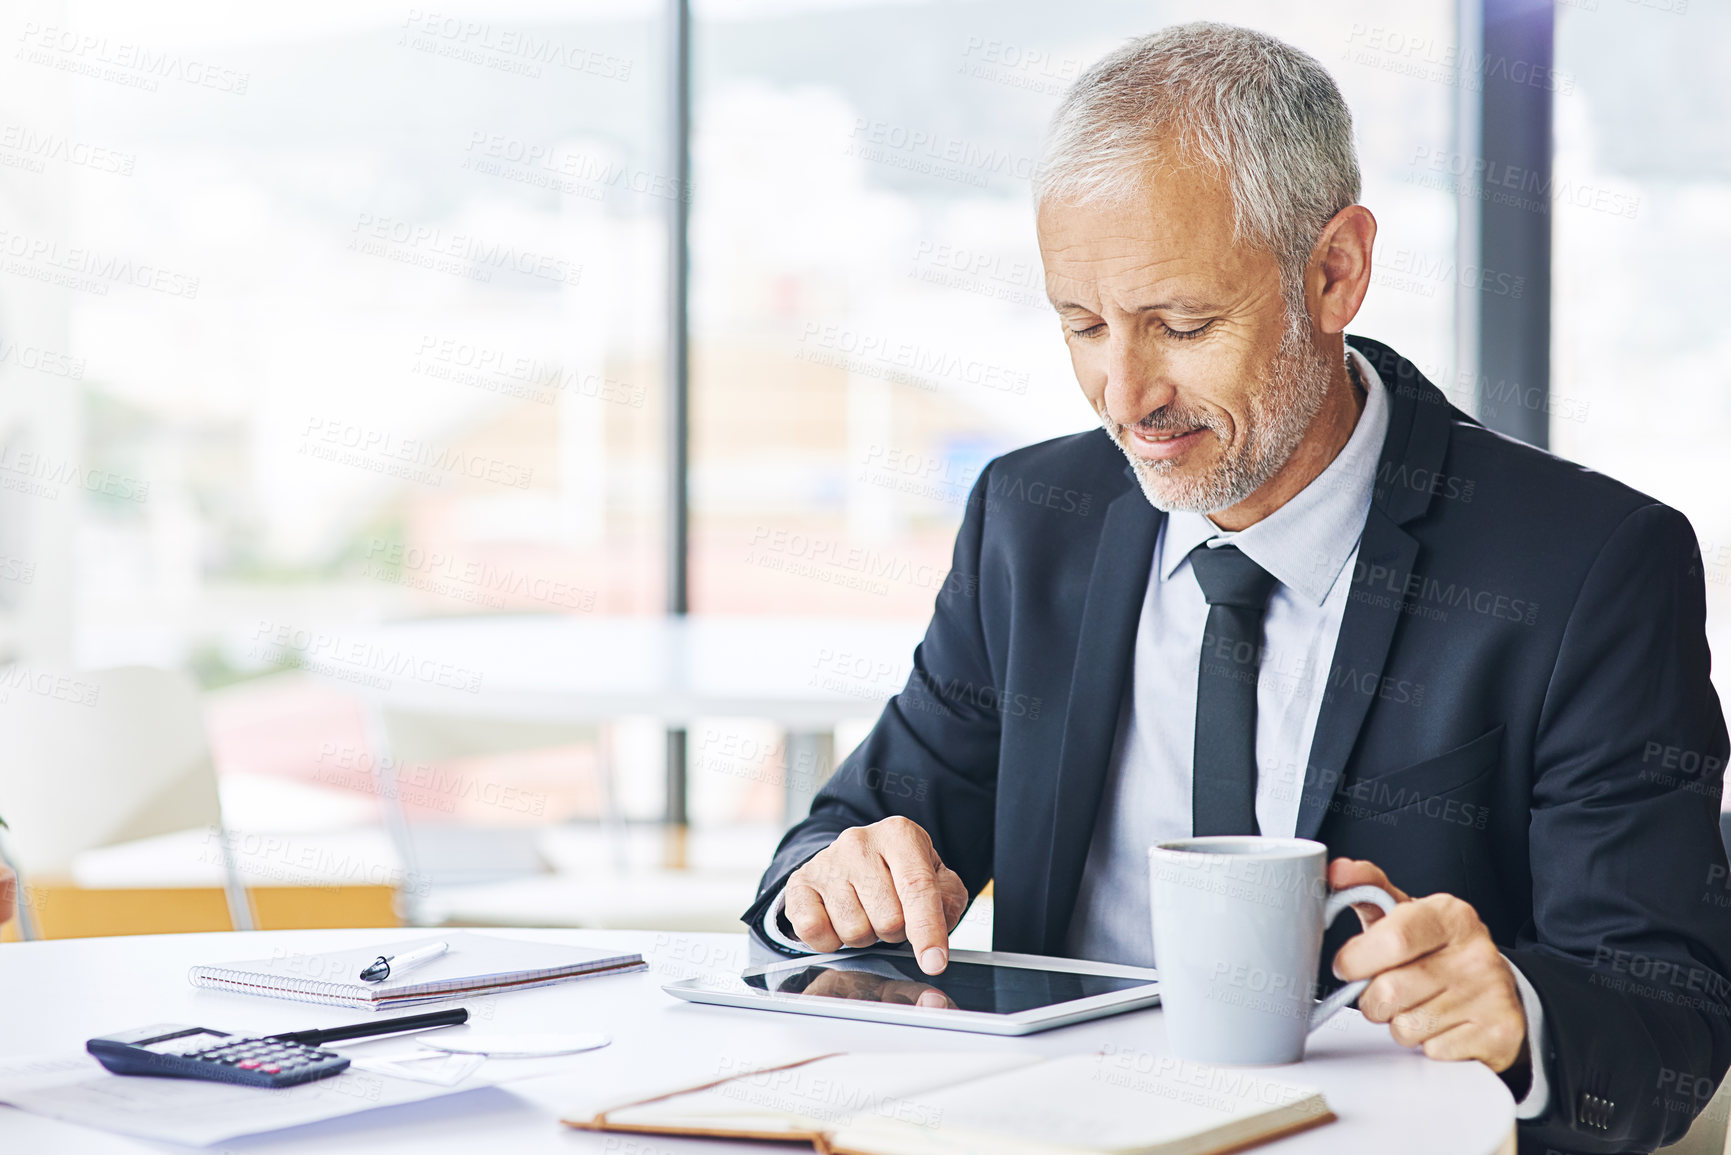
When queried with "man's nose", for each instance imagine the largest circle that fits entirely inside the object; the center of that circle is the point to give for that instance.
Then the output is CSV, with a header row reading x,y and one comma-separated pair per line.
x,y
1136,383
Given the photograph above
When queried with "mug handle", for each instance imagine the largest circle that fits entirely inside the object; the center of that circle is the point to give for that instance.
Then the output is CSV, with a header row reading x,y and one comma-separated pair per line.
x,y
1339,901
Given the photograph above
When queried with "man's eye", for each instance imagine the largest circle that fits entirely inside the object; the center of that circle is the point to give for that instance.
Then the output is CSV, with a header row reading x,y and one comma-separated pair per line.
x,y
1186,334
1090,331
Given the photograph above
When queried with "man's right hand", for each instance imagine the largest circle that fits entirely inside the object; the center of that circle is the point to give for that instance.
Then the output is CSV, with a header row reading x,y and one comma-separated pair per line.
x,y
878,883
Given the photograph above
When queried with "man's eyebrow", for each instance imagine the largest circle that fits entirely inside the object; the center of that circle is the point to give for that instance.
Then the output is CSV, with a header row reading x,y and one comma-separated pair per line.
x,y
1181,304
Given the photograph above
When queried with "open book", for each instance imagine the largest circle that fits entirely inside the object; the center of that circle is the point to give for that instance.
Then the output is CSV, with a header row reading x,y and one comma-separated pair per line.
x,y
983,1104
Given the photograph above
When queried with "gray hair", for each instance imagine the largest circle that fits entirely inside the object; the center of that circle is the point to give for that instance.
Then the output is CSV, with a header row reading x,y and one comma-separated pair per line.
x,y
1254,107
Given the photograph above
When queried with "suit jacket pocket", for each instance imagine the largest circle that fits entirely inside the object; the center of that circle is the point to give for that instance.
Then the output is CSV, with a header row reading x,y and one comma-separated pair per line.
x,y
1411,785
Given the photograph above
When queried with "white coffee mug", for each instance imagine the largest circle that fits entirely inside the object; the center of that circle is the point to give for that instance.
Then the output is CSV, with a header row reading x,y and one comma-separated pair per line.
x,y
1238,923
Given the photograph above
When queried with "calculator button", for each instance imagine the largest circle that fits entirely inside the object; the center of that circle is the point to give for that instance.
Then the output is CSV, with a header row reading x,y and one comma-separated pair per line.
x,y
273,1069
249,1064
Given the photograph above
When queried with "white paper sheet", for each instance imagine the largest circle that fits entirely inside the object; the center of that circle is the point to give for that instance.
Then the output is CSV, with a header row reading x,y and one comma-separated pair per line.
x,y
77,1089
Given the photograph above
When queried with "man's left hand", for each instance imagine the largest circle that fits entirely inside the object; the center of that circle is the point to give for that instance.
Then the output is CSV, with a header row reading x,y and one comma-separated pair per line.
x,y
1437,979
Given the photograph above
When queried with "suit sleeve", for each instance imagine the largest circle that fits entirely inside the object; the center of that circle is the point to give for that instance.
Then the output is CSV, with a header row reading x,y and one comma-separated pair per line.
x,y
933,754
1630,941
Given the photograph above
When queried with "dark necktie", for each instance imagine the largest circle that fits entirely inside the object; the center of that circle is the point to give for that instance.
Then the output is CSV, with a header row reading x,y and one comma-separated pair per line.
x,y
1223,776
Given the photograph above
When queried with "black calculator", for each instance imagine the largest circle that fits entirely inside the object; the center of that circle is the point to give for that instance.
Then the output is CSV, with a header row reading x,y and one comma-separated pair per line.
x,y
177,1052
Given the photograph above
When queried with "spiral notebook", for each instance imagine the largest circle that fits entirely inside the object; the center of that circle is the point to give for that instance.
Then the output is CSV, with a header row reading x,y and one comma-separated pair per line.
x,y
476,964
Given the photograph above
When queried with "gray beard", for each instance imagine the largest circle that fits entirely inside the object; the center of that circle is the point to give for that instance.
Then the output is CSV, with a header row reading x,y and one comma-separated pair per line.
x,y
1276,423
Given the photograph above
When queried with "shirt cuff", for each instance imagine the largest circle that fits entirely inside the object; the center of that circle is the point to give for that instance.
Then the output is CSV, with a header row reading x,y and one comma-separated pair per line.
x,y
772,927
1538,1096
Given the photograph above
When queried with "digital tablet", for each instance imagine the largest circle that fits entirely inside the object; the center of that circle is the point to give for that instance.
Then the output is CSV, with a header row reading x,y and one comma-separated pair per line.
x,y
987,991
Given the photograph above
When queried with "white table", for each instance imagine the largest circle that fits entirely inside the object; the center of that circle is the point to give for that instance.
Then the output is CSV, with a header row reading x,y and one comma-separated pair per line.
x,y
804,674
54,995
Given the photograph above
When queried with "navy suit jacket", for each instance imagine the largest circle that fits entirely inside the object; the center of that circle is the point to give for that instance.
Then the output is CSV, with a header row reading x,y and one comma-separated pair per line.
x,y
1518,713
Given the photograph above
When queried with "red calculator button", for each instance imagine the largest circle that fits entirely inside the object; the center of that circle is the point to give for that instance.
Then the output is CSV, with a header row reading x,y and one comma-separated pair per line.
x,y
248,1064
273,1069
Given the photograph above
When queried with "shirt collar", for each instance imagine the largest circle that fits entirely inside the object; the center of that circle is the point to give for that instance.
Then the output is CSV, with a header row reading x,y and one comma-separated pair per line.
x,y
1305,542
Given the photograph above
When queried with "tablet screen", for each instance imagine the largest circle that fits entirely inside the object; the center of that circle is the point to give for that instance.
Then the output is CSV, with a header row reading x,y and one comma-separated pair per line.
x,y
897,978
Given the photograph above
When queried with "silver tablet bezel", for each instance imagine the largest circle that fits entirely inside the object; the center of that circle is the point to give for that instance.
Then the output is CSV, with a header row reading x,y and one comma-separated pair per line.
x,y
732,991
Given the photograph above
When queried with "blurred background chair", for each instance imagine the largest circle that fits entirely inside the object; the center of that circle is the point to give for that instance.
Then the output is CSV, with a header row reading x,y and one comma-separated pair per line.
x,y
102,758
410,748
107,782
528,874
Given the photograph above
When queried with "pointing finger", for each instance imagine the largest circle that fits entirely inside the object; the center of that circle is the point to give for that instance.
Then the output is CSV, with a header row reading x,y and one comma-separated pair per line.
x,y
923,915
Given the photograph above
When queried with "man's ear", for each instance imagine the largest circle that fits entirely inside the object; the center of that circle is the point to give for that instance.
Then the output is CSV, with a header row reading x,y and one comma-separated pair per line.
x,y
1338,275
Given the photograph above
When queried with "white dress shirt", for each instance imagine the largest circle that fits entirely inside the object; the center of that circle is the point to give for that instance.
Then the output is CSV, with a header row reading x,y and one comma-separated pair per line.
x,y
1309,545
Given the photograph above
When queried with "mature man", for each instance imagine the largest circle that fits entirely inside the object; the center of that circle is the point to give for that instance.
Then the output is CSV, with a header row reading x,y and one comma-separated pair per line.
x,y
1320,601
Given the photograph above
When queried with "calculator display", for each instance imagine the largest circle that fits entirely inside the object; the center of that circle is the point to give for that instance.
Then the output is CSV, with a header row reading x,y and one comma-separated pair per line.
x,y
184,1044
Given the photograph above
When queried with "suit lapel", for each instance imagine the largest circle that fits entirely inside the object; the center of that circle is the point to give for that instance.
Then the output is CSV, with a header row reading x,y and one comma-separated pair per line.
x,y
1105,646
1415,446
1373,609
1417,438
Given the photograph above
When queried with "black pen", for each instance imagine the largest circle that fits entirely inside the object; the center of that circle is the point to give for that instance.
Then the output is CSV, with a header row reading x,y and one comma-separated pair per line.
x,y
451,1018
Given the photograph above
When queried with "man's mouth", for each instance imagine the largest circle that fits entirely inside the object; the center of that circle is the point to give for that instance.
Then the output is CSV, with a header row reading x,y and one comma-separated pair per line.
x,y
1155,445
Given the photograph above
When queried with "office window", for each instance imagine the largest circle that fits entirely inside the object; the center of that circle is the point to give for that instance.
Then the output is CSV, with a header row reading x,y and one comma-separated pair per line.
x,y
1640,212
870,323
323,316
317,316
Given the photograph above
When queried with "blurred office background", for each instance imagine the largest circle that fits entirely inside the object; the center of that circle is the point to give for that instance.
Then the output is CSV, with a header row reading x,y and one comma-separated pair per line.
x,y
333,379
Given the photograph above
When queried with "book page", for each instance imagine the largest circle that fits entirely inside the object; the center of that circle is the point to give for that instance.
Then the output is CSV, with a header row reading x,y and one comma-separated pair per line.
x,y
1092,1103
816,1097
